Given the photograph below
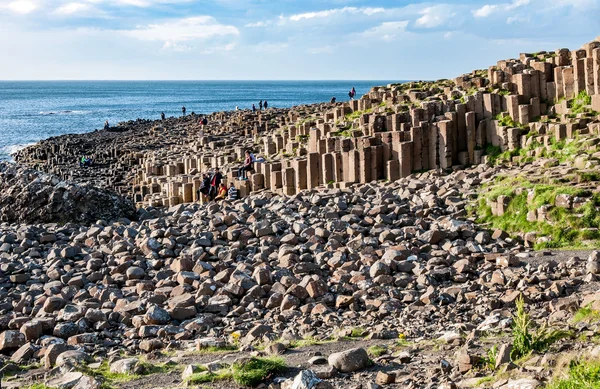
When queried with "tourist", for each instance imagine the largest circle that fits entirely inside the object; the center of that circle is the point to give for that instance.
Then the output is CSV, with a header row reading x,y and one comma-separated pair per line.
x,y
247,166
106,125
222,192
265,104
350,95
215,181
232,192
204,121
204,187
183,110
162,116
260,105
253,108
353,92
333,100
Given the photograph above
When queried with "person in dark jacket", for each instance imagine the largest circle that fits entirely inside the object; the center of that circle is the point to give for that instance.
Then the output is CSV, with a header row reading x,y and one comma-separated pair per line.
x,y
204,187
162,116
215,181
183,110
265,104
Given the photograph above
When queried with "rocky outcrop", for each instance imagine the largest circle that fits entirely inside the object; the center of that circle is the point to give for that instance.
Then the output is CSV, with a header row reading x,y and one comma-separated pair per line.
x,y
29,196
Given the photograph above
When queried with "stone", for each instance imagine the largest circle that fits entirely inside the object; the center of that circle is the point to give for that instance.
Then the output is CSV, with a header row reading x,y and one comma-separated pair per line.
x,y
383,378
65,381
127,366
11,340
350,360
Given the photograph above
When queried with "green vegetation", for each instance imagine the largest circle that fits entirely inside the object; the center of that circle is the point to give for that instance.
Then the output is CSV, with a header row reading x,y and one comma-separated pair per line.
x,y
580,103
348,133
207,376
309,341
567,228
485,380
376,351
580,375
250,372
37,386
216,350
356,114
302,138
525,339
358,332
586,314
490,359
506,121
256,370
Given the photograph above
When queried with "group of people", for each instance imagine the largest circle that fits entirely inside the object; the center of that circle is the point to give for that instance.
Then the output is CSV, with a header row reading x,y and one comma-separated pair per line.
x,y
86,161
213,188
351,94
261,105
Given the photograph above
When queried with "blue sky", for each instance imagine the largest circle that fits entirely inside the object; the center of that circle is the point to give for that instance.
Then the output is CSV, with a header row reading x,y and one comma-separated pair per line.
x,y
285,39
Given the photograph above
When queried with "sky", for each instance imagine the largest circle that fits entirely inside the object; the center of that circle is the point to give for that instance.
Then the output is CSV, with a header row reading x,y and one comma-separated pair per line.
x,y
280,40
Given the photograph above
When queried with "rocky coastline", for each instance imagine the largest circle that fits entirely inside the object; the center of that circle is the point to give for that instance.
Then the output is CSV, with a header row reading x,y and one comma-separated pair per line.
x,y
374,246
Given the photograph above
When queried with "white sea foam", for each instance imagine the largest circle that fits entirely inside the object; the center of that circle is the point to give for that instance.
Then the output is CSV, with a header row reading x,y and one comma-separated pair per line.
x,y
66,112
11,149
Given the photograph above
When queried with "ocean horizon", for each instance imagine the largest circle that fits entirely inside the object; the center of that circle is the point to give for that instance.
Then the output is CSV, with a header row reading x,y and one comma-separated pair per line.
x,y
31,111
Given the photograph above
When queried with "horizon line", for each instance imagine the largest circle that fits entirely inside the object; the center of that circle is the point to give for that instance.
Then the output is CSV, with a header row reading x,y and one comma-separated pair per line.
x,y
208,80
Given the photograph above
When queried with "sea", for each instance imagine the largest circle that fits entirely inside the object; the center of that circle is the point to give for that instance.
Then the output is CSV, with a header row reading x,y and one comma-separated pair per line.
x,y
34,110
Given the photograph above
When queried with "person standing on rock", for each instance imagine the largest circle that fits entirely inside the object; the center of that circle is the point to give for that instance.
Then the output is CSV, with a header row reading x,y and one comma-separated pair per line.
x,y
260,105
253,108
350,95
106,125
353,92
204,187
265,104
162,116
215,182
183,110
333,100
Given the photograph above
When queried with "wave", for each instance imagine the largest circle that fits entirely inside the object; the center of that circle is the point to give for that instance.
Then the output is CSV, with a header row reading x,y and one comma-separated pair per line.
x,y
11,149
65,112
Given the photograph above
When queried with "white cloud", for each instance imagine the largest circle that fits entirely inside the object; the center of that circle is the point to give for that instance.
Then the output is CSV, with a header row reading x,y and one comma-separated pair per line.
x,y
176,47
180,30
485,11
387,31
490,9
368,11
258,24
22,6
73,8
435,16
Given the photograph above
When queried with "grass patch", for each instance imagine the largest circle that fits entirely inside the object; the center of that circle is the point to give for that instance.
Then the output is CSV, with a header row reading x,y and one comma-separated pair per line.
x,y
358,332
485,380
580,375
586,314
567,228
207,376
310,341
250,372
376,351
256,370
216,350
580,103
